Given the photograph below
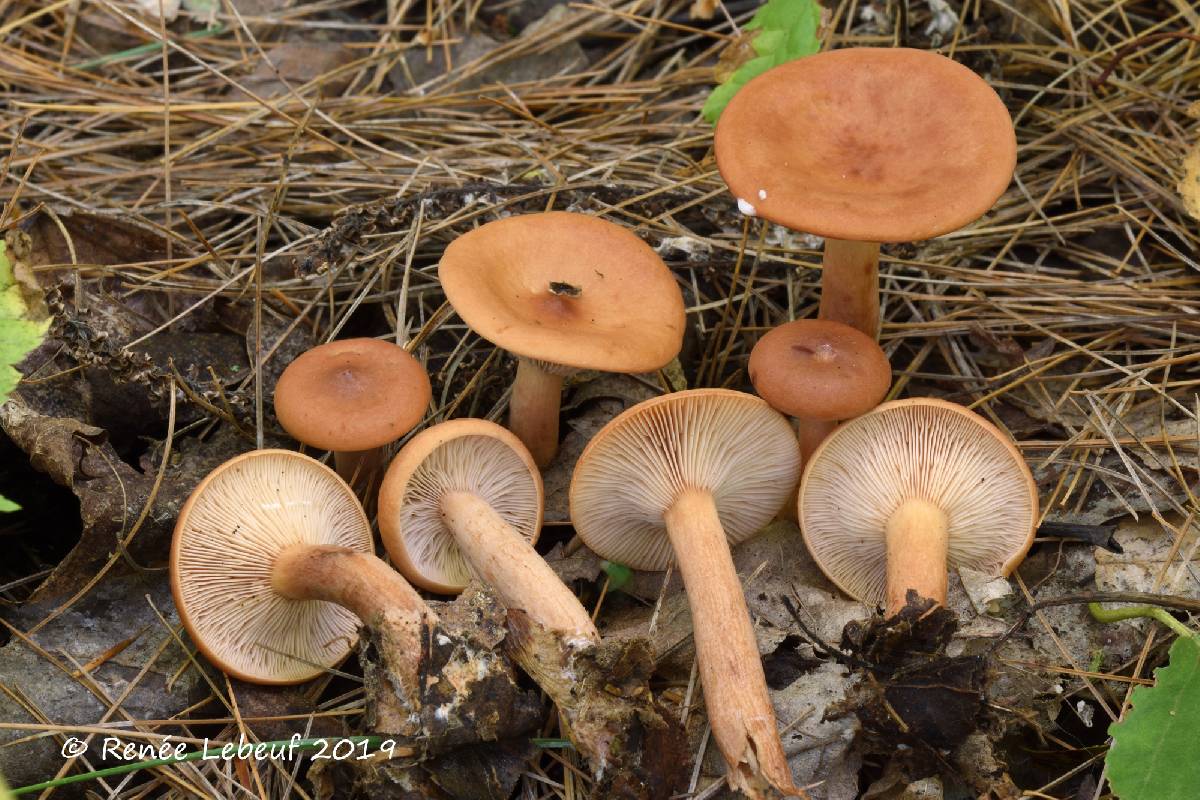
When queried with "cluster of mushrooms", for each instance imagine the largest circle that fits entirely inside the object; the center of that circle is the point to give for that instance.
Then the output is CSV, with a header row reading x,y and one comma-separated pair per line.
x,y
273,561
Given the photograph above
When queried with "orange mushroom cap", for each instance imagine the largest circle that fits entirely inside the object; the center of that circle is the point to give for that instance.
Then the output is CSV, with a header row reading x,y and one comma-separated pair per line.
x,y
925,449
818,369
461,455
867,144
352,394
567,289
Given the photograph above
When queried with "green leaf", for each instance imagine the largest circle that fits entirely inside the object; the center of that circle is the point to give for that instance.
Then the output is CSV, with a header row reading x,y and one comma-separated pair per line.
x,y
18,335
786,30
1154,753
618,574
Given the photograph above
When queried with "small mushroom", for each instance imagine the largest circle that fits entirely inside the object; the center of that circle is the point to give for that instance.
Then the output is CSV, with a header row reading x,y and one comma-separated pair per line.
x,y
463,499
272,567
562,292
893,499
682,477
866,145
820,372
354,397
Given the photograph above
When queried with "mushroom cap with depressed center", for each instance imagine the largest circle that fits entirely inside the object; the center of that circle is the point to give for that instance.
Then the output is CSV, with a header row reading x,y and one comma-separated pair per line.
x,y
352,394
567,289
728,443
818,369
462,455
868,144
925,449
227,537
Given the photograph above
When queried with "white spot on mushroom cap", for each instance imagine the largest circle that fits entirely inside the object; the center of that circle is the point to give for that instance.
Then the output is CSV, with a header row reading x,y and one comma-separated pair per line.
x,y
762,194
745,207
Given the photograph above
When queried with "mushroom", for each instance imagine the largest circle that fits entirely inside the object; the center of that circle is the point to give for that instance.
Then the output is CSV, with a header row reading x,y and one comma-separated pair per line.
x,y
562,292
463,499
682,477
862,146
820,372
354,397
894,498
272,566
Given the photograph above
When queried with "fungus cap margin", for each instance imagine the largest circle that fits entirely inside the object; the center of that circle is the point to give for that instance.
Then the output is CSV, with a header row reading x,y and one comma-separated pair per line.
x,y
730,443
863,471
458,455
226,538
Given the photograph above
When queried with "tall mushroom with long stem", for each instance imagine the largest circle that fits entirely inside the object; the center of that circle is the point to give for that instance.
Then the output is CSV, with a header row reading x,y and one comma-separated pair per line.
x,y
353,397
895,498
273,566
819,372
562,292
463,500
862,146
682,477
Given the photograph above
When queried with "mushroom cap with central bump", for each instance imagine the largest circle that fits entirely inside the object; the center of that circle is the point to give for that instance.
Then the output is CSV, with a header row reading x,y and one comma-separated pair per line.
x,y
868,144
922,449
730,444
227,537
462,455
567,289
352,395
817,369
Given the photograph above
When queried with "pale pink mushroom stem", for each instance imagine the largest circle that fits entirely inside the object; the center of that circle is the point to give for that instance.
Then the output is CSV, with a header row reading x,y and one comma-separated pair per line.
x,y
735,687
354,580
917,541
850,284
505,561
533,410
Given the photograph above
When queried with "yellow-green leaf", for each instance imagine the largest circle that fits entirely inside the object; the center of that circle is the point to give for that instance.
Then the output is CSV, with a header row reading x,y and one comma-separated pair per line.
x,y
18,335
1154,755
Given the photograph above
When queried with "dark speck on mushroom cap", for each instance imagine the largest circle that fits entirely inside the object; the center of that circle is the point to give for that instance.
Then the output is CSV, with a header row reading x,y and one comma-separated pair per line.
x,y
868,144
819,370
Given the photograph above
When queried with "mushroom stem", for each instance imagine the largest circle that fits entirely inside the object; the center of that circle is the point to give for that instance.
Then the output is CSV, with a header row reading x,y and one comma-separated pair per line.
x,y
359,468
508,563
850,285
533,410
735,688
917,537
357,581
811,432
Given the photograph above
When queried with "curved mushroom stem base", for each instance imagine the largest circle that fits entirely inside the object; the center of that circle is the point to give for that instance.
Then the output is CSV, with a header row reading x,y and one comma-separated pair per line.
x,y
533,410
850,285
735,688
363,584
917,541
507,562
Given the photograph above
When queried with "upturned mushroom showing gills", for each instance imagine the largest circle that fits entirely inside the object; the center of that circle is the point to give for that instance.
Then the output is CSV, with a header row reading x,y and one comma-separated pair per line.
x,y
820,372
463,499
562,292
893,499
272,567
353,397
862,146
680,478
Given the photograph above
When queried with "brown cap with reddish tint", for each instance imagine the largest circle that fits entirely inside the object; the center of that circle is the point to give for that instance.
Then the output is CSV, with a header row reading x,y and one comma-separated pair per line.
x,y
567,289
818,369
461,455
352,394
867,144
